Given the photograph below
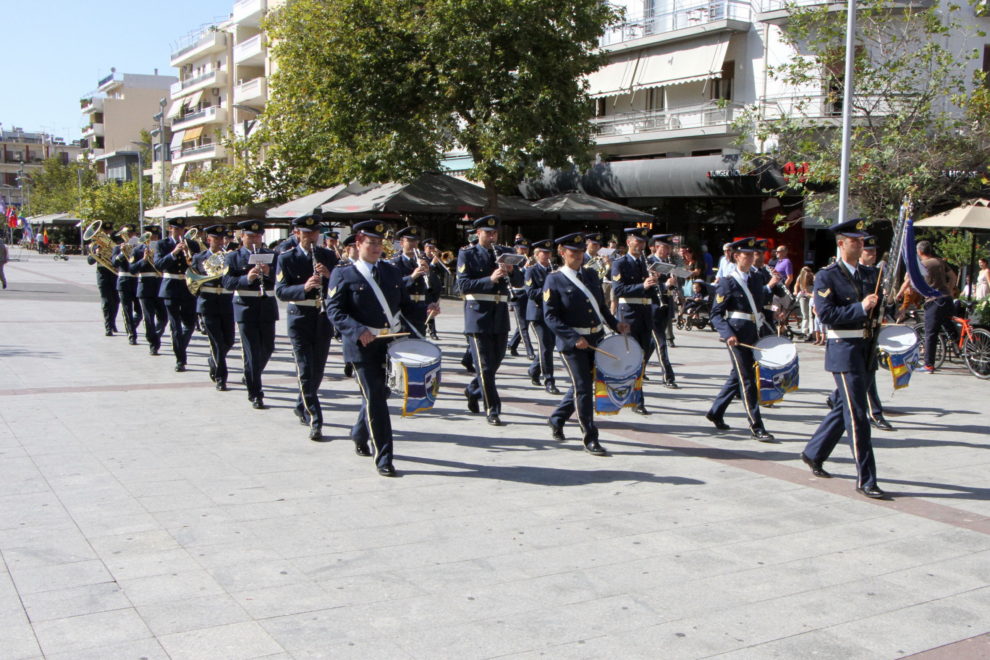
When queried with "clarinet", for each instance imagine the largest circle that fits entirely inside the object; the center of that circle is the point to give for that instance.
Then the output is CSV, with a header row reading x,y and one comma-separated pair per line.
x,y
319,289
261,280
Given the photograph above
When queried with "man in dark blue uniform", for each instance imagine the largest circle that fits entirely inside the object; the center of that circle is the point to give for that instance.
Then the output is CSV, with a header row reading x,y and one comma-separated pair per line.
x,y
127,286
255,308
867,263
301,279
106,282
485,286
214,304
736,315
467,360
574,309
437,279
636,289
415,271
844,300
535,277
364,303
173,256
663,307
517,303
149,284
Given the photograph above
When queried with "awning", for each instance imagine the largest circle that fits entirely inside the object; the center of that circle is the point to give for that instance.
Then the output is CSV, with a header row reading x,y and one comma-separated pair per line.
x,y
675,64
175,109
180,210
175,178
54,219
578,207
614,78
193,99
305,204
177,139
192,134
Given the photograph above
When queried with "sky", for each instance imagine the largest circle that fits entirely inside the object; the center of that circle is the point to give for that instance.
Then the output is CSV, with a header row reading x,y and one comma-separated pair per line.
x,y
53,52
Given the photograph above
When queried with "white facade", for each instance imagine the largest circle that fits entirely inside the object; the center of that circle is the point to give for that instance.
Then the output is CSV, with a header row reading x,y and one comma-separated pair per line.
x,y
22,153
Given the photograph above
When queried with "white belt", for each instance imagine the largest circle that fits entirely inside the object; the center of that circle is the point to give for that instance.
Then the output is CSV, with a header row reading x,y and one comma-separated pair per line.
x,y
587,331
635,301
845,334
741,316
486,297
149,275
214,289
124,273
379,331
173,276
245,293
417,297
304,303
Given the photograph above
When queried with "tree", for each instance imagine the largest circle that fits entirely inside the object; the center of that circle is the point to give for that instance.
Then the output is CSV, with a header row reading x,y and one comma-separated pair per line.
x,y
115,203
379,90
56,187
920,121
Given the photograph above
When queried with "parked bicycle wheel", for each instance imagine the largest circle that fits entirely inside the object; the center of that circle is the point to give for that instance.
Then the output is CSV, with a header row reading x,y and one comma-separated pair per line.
x,y
941,349
976,353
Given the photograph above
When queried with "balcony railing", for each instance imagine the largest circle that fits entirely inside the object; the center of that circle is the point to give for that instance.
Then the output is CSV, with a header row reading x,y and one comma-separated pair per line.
x,y
212,113
215,77
204,41
248,11
251,48
694,15
824,106
699,116
254,90
765,6
201,149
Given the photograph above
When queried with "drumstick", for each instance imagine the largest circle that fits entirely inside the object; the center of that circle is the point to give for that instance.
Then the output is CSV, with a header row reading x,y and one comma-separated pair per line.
x,y
605,353
430,315
392,334
749,346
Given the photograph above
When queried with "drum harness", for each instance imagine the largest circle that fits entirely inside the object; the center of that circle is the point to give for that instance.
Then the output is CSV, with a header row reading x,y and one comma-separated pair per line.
x,y
393,319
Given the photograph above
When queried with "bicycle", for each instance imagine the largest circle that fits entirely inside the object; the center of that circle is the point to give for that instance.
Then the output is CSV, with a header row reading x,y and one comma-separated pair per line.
x,y
972,347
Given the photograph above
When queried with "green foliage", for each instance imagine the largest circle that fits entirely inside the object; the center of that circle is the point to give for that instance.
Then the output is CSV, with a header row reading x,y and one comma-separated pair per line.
x,y
55,188
379,90
955,246
920,123
114,203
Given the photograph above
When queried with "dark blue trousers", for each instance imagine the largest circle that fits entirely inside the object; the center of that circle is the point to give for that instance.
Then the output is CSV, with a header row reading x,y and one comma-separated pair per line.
x,y
258,344
542,365
309,333
661,317
488,351
373,423
520,333
580,396
849,416
741,383
110,303
182,323
153,310
220,331
938,315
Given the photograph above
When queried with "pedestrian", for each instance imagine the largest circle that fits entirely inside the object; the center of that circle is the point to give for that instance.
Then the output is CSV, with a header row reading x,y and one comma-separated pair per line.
x,y
803,286
4,256
939,308
981,292
783,266
725,265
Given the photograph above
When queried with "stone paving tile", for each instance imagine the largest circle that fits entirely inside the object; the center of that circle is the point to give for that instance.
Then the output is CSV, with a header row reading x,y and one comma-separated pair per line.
x,y
148,649
90,631
17,637
170,587
64,603
235,640
31,580
175,616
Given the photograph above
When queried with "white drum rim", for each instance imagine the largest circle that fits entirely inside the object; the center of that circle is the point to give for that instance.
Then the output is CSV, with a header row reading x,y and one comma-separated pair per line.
x,y
768,356
894,332
607,365
396,353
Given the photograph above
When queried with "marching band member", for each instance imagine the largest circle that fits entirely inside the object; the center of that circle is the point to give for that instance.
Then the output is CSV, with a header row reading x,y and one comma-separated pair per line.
x,y
172,258
736,315
574,310
364,303
255,308
415,275
535,278
215,306
517,304
663,309
764,275
106,282
331,241
149,284
437,281
867,263
467,360
301,279
350,251
844,299
485,285
127,289
636,289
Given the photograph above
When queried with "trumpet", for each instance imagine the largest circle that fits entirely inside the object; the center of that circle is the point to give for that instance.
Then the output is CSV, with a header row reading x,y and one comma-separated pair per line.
x,y
319,290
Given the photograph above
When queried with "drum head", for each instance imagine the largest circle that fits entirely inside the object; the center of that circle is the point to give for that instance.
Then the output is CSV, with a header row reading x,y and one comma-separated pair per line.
x,y
895,339
776,351
628,352
414,352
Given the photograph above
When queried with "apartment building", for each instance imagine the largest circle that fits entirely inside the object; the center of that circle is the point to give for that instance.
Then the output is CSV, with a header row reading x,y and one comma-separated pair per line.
x,y
115,113
21,153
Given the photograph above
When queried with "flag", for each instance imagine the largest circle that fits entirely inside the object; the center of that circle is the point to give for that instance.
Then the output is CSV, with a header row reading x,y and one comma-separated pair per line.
x,y
28,234
11,217
911,261
45,235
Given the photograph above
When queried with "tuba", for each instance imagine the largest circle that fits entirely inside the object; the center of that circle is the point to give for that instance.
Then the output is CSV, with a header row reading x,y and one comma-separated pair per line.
x,y
215,266
100,245
600,266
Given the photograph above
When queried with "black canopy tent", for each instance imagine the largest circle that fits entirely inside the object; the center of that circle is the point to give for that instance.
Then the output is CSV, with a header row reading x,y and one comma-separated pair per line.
x,y
579,207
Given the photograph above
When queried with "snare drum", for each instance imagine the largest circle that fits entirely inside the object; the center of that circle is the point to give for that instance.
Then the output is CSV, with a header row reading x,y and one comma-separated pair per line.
x,y
900,351
414,372
618,382
776,369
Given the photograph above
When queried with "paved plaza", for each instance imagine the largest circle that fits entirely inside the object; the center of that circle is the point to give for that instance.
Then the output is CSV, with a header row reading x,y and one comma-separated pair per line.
x,y
143,514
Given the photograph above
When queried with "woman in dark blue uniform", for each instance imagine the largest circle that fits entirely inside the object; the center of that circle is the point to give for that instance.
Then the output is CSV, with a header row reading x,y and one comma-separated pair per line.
x,y
215,306
534,279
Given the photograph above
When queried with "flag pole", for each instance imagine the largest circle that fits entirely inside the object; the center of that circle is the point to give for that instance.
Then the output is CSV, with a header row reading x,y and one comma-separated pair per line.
x,y
847,99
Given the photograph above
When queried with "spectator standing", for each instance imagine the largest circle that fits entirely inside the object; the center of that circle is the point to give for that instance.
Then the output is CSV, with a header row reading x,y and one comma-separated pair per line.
x,y
938,310
803,287
783,266
982,279
4,256
725,265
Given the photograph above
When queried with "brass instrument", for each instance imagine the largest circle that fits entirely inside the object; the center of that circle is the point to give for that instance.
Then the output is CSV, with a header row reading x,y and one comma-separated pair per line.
x,y
149,253
215,266
388,245
319,289
443,258
128,246
101,245
600,266
189,238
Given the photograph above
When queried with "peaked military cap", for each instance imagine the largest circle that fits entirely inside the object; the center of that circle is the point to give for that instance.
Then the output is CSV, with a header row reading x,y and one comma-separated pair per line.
x,y
489,222
373,228
869,242
595,237
662,238
251,226
637,232
744,245
409,232
522,242
545,244
215,230
349,240
573,241
853,228
177,222
307,222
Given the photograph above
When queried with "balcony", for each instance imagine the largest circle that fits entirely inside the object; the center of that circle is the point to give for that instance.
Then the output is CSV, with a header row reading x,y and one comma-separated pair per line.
x,y
250,52
248,12
91,104
215,78
211,115
110,81
676,123
777,11
252,93
209,42
197,153
93,130
817,107
682,23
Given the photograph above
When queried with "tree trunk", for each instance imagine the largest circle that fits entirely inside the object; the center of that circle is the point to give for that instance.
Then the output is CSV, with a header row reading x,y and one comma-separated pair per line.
x,y
492,194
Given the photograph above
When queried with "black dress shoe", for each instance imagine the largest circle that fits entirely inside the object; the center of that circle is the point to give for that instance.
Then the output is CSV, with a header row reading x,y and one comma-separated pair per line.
x,y
153,350
386,471
762,435
514,352
472,403
180,367
530,356
645,377
595,449
361,450
316,435
671,385
301,417
816,467
873,492
258,403
132,341
881,423
641,410
535,380
109,333
349,369
556,432
717,421
552,389
221,386
494,420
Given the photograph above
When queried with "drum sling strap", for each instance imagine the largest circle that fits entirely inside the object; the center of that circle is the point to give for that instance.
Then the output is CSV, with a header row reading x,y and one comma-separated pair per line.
x,y
576,281
757,314
392,319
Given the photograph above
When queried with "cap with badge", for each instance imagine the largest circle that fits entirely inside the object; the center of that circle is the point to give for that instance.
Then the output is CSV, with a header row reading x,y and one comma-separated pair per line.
x,y
215,230
473,239
349,240
177,222
637,232
869,242
595,237
372,228
332,234
762,244
744,245
521,242
573,241
662,238
546,244
488,222
412,233
306,222
852,228
251,226
428,241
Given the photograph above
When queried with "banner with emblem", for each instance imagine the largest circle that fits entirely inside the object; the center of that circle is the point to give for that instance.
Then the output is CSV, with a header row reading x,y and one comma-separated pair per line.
x,y
618,382
422,385
902,364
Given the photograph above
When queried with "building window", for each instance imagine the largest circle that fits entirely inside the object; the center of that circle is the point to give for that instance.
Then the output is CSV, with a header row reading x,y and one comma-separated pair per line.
x,y
655,99
835,76
600,107
721,88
